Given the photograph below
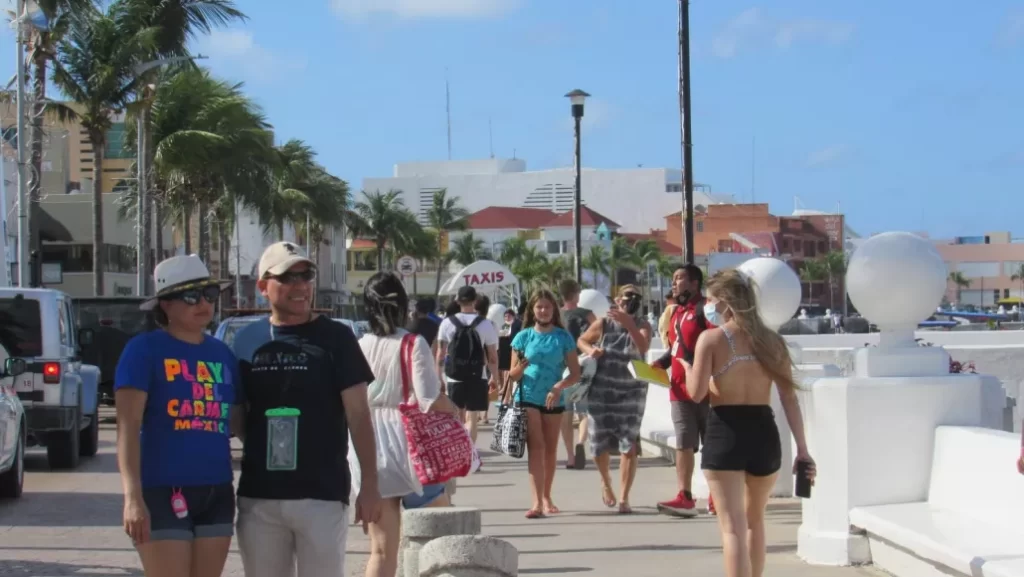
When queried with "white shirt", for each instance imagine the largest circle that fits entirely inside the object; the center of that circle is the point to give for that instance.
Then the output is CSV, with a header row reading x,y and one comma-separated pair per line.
x,y
488,334
384,356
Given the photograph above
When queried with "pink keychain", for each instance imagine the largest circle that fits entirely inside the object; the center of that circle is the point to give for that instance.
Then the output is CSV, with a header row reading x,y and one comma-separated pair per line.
x,y
178,504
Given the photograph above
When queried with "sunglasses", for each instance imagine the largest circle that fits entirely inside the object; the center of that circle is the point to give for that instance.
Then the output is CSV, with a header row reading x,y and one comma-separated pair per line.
x,y
292,277
192,297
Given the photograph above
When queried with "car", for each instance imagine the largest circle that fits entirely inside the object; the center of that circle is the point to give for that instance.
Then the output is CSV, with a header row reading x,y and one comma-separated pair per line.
x,y
113,321
229,327
356,328
59,392
13,433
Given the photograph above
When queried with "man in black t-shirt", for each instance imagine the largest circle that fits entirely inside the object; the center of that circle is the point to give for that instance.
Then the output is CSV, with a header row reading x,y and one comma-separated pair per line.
x,y
304,378
421,323
576,320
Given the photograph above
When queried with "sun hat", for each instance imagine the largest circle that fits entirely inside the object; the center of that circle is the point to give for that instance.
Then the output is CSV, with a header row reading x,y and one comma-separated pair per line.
x,y
180,273
281,256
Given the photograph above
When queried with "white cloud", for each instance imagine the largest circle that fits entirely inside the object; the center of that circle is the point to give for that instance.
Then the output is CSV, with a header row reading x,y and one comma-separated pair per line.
x,y
829,31
752,28
238,50
740,30
826,156
1012,30
416,9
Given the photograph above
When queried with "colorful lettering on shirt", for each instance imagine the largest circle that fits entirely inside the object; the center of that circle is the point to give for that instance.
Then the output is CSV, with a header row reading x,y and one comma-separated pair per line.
x,y
206,409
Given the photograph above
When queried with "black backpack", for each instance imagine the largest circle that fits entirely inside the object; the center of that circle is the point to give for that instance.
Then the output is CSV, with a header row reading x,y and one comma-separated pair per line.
x,y
465,359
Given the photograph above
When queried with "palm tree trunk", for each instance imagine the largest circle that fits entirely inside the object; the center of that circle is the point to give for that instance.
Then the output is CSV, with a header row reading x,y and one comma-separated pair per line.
x,y
440,259
415,289
380,256
204,230
35,182
98,249
186,227
158,229
145,212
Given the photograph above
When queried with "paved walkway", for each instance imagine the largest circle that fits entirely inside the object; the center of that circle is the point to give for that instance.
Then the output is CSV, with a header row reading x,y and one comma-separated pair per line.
x,y
69,523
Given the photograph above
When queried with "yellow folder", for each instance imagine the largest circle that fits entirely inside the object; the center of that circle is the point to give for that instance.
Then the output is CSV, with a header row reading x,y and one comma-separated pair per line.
x,y
641,371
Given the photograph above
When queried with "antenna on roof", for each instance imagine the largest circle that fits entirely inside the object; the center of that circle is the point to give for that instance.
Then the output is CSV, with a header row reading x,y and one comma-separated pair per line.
x,y
753,167
448,111
513,154
490,136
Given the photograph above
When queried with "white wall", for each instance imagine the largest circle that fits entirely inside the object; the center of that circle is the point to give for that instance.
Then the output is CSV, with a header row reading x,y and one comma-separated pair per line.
x,y
635,197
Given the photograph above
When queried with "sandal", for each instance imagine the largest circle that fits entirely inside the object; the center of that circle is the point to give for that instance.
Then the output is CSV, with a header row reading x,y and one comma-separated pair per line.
x,y
608,497
534,514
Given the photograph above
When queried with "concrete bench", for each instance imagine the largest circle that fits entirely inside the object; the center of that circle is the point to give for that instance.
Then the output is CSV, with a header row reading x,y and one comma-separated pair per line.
x,y
973,521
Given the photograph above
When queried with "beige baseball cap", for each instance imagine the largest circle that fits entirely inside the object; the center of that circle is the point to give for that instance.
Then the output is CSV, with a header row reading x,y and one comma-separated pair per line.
x,y
281,256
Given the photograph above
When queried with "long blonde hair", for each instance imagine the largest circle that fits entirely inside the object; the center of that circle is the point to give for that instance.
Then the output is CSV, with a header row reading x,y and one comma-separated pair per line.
x,y
769,348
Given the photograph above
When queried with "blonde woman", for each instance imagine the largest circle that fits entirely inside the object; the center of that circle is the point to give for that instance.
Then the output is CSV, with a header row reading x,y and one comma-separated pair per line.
x,y
736,364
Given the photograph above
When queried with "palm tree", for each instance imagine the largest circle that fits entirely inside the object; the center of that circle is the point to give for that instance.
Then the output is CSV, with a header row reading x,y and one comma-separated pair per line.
x,y
467,249
665,268
176,23
646,251
962,282
511,251
94,69
422,246
834,264
445,215
596,261
812,271
554,271
383,217
529,268
42,50
620,257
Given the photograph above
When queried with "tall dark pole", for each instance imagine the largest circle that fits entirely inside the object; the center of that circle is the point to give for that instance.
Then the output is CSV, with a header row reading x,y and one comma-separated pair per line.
x,y
577,97
687,140
576,207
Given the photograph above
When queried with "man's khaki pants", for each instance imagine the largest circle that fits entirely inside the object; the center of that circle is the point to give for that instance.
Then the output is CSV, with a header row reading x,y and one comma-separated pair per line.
x,y
276,536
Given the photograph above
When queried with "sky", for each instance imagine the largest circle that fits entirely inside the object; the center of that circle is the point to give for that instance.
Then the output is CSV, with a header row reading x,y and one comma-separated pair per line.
x,y
905,115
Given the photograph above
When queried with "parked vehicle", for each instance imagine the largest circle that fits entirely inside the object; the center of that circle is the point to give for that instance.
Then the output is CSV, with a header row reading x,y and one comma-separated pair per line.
x,y
59,393
113,321
228,328
13,433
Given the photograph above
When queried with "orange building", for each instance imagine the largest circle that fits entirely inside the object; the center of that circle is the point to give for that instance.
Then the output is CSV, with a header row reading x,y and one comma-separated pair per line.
x,y
752,228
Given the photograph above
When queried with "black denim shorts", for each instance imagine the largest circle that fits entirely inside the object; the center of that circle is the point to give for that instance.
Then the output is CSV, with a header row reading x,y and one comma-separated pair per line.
x,y
211,512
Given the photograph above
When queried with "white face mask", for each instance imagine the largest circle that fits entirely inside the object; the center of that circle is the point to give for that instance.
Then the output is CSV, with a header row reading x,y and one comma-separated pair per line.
x,y
712,315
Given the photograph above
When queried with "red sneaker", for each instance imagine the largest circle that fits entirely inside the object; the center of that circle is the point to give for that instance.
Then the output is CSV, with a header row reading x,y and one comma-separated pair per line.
x,y
682,506
711,506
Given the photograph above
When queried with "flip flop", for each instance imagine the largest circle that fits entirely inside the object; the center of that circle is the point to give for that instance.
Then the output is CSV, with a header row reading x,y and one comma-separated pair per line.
x,y
534,514
580,458
608,501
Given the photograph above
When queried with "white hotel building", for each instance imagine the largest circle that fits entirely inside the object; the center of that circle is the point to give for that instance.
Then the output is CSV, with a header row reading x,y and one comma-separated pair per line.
x,y
636,198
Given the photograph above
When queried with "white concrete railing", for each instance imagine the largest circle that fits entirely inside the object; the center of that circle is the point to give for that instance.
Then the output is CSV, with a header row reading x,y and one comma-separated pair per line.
x,y
970,523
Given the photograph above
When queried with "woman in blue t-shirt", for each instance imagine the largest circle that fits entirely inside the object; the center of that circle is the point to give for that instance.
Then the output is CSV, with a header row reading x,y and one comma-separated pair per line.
x,y
543,350
176,397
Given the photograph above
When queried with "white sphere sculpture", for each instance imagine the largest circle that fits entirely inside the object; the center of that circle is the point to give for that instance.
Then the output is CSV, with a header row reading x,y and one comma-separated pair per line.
x,y
496,314
595,301
776,287
896,279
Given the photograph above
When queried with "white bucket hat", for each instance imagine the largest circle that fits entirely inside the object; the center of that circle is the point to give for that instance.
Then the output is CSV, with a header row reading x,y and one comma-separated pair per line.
x,y
180,273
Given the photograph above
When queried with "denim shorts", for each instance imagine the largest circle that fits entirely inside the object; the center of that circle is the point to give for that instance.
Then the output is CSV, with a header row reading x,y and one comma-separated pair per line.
x,y
211,512
430,494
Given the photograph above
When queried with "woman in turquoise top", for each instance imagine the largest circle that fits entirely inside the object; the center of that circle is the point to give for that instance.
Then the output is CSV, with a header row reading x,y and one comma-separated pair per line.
x,y
543,350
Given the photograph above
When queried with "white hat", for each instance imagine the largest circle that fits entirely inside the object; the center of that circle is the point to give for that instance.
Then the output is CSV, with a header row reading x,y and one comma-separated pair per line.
x,y
281,256
180,273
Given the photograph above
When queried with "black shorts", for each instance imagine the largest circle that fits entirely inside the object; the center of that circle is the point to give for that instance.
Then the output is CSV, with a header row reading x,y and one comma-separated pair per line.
x,y
742,438
211,512
543,410
469,396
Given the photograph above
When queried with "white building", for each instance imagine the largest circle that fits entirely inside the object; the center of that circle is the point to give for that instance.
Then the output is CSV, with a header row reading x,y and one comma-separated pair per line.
x,y
637,198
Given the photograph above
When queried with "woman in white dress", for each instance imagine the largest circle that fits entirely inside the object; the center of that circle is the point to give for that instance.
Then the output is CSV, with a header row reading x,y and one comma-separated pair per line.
x,y
387,306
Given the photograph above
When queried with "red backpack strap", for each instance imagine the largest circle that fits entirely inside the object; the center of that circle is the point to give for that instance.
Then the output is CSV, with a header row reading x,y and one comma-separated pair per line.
x,y
405,360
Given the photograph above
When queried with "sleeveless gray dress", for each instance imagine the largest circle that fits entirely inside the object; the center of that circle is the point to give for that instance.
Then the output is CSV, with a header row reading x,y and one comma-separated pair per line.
x,y
616,400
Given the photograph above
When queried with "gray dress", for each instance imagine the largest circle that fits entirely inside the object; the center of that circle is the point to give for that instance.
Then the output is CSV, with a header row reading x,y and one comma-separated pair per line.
x,y
616,400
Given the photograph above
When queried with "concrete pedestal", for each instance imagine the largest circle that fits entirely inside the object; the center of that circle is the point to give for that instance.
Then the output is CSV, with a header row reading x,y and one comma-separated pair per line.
x,y
420,526
468,556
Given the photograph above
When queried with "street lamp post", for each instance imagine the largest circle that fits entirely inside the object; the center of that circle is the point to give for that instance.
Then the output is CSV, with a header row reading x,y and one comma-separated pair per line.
x,y
142,202
577,98
685,130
